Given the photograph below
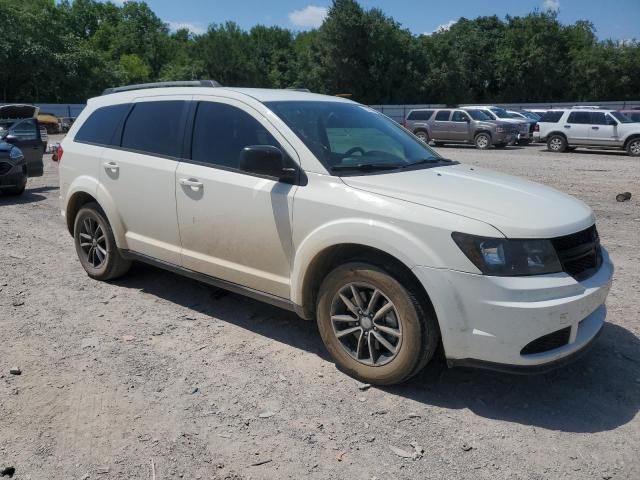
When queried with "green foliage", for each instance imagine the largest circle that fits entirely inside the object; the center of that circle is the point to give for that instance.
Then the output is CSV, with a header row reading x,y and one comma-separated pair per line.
x,y
71,50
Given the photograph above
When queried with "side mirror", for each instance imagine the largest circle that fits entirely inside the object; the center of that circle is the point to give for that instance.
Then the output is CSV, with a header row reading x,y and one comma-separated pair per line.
x,y
266,160
10,138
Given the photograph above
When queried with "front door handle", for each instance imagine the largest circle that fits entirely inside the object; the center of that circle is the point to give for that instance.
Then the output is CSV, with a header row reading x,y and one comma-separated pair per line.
x,y
113,166
595,128
191,182
567,126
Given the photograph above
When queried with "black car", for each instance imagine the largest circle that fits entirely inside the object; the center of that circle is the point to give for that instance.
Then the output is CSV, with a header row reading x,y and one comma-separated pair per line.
x,y
13,170
19,126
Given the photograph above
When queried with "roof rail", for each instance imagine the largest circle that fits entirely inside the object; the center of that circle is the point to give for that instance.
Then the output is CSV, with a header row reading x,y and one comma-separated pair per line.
x,y
181,83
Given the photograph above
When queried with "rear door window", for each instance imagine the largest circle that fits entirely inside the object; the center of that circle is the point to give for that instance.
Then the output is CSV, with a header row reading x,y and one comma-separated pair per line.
x,y
580,118
443,115
156,128
101,126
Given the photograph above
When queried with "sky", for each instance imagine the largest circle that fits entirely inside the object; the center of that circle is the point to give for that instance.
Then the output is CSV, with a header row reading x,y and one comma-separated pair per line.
x,y
615,19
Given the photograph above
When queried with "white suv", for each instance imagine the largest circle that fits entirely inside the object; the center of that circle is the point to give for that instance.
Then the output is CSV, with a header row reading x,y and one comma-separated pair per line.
x,y
567,129
326,207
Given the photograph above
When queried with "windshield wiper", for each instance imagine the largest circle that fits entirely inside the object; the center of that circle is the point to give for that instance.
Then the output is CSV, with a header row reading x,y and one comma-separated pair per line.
x,y
436,162
366,167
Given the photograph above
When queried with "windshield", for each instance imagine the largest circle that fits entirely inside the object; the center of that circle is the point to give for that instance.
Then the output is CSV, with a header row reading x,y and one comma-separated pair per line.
x,y
501,113
515,115
621,117
346,136
478,115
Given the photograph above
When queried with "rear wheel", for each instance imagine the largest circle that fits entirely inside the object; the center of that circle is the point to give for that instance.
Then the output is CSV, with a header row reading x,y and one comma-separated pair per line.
x,y
373,325
96,246
633,147
483,141
557,143
422,135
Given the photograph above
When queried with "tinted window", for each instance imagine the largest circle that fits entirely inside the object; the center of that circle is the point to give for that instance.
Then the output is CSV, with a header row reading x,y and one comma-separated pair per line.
x,y
25,130
634,116
443,115
101,125
552,116
478,115
579,117
222,131
598,118
155,127
420,115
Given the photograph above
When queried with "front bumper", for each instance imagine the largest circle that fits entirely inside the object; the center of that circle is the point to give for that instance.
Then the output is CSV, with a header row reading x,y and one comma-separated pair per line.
x,y
15,177
487,321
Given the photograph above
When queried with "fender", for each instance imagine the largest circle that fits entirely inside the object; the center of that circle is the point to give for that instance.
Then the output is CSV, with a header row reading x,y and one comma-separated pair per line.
x,y
391,239
91,186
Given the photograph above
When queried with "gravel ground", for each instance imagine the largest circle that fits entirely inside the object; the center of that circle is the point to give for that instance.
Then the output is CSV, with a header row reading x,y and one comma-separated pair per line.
x,y
158,376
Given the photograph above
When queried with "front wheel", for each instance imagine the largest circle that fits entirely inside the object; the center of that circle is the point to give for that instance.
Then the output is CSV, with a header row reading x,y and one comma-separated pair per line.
x,y
96,246
482,141
557,143
633,147
374,326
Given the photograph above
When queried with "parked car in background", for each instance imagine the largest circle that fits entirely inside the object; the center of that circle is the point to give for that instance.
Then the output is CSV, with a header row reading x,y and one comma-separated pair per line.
x,y
330,209
524,114
633,115
523,126
447,125
50,122
20,127
13,170
567,129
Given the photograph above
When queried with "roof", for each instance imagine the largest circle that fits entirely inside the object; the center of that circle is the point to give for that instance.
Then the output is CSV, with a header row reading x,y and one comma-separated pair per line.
x,y
259,94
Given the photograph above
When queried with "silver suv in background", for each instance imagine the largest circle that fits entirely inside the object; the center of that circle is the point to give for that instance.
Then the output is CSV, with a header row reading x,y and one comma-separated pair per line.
x,y
459,126
566,129
524,126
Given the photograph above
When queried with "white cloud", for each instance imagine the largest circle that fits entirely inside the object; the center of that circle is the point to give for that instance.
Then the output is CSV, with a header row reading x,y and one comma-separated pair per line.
x,y
192,27
309,17
553,5
444,27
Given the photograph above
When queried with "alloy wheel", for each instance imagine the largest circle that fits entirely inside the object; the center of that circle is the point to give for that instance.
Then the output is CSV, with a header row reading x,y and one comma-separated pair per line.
x,y
634,147
93,242
555,144
366,323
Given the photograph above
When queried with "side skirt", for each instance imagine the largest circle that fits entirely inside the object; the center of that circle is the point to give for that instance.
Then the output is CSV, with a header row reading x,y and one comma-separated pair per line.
x,y
216,282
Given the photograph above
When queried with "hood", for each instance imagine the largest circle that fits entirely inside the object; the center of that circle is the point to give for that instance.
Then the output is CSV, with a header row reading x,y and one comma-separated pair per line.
x,y
517,207
15,112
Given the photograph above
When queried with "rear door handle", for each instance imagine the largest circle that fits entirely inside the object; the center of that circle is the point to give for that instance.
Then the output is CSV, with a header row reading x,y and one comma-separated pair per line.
x,y
113,166
595,128
193,183
567,126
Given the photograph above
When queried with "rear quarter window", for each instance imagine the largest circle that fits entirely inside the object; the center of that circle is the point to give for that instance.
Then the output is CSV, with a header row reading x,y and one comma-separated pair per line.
x,y
552,117
420,115
101,126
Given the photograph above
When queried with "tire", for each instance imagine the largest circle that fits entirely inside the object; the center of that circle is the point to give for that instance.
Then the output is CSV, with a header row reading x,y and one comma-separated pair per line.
x,y
633,147
423,135
409,330
14,191
482,141
500,145
96,246
557,143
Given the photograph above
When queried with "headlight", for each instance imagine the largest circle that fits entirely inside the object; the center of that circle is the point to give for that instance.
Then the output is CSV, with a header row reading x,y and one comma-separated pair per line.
x,y
15,154
504,257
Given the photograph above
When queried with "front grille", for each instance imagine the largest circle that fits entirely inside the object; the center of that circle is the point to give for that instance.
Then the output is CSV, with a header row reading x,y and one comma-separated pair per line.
x,y
579,253
4,167
548,342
